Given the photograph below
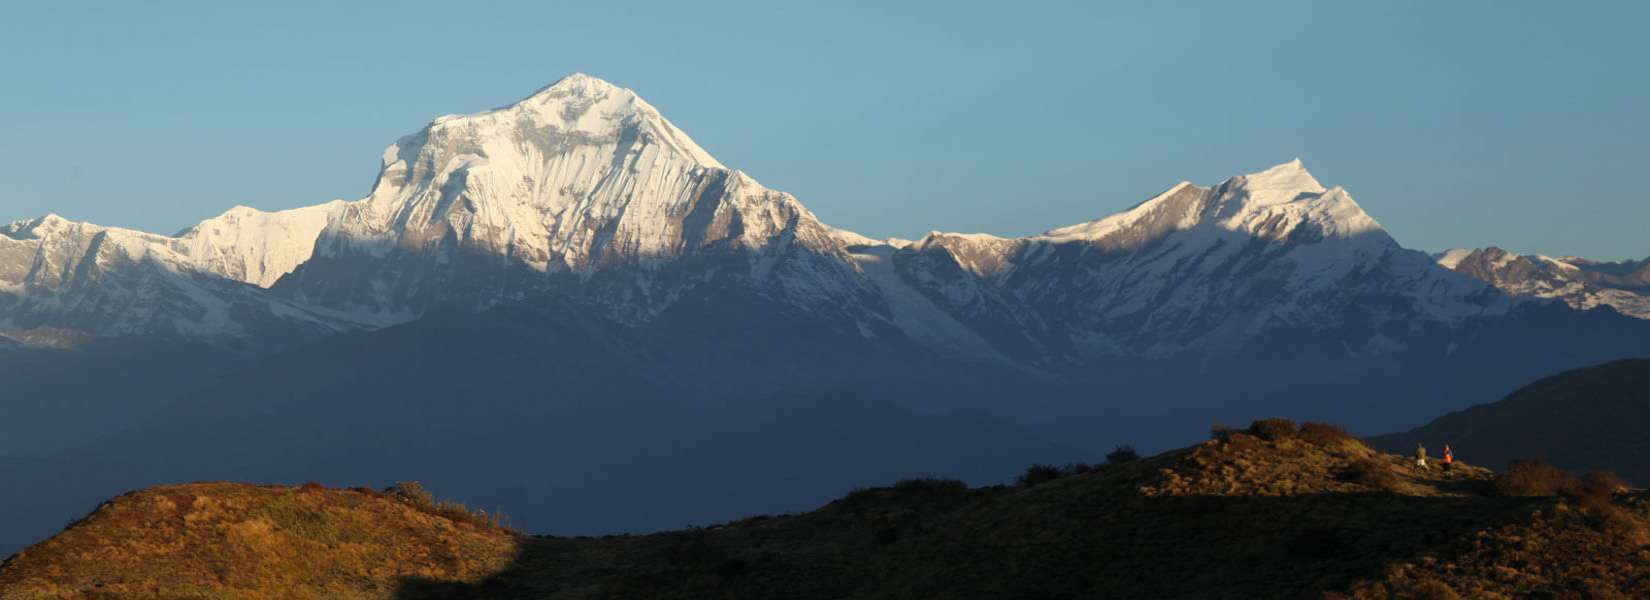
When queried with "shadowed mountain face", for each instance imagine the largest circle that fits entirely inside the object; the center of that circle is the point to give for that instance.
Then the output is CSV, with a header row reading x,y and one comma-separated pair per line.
x,y
569,285
575,426
1585,419
1270,512
58,399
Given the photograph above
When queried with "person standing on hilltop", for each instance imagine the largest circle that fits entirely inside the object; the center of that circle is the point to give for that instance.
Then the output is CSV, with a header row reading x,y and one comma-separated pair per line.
x,y
1449,458
1420,456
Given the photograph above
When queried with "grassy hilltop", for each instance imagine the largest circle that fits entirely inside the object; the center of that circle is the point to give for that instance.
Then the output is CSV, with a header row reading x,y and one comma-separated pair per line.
x,y
1273,511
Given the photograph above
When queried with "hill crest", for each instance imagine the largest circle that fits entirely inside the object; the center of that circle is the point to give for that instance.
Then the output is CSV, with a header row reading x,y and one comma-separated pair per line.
x,y
1270,511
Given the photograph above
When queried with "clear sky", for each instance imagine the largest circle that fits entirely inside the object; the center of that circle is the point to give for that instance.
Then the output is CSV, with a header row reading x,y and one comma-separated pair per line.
x,y
1522,124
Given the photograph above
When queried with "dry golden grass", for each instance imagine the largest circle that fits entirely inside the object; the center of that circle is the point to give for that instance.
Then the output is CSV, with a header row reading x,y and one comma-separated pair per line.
x,y
1568,549
1274,511
227,540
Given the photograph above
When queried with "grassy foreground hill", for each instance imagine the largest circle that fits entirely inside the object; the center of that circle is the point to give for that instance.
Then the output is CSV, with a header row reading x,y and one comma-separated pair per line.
x,y
231,540
1269,512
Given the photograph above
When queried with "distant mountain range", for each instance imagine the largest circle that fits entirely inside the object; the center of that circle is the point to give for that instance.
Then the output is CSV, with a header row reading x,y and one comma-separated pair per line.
x,y
1581,283
569,284
585,191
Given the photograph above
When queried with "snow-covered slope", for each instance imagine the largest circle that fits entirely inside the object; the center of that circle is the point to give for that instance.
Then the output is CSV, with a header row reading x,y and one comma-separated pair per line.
x,y
106,281
257,247
577,182
585,193
581,188
1581,283
1202,269
916,314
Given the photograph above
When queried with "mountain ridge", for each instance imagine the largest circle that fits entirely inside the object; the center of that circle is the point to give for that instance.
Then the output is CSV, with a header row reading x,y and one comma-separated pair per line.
x,y
1580,283
488,208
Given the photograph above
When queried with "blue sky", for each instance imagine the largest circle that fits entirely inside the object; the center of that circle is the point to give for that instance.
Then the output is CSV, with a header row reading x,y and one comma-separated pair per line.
x,y
1460,123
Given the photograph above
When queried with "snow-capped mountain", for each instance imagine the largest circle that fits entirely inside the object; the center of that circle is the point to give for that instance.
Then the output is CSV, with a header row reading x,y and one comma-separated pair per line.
x,y
582,185
584,192
1201,269
570,285
61,279
1581,283
582,188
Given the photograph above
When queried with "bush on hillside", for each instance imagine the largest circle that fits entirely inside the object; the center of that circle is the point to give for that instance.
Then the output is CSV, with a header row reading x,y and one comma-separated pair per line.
x,y
410,492
1038,474
1602,514
1123,454
931,485
1601,484
1273,429
1373,473
1533,477
1221,432
1594,495
859,494
1325,434
413,494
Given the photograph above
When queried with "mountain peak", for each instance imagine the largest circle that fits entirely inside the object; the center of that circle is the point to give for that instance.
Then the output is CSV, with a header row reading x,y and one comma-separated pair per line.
x,y
1283,196
36,227
576,109
577,85
1282,183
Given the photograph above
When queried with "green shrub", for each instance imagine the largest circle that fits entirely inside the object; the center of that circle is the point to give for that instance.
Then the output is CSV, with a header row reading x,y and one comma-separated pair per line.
x,y
1077,468
1122,454
1038,474
1273,429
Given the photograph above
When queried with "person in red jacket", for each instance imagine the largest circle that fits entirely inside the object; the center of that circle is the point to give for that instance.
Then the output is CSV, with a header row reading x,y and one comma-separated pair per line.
x,y
1449,457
